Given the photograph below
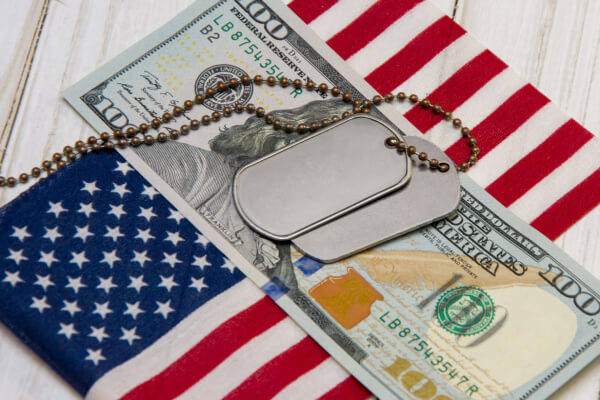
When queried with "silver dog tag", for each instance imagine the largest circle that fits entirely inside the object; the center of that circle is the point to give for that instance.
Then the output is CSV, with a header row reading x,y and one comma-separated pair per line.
x,y
430,195
320,178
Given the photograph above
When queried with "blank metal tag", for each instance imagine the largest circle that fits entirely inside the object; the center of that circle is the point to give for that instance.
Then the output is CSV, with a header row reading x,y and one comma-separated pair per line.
x,y
320,178
430,195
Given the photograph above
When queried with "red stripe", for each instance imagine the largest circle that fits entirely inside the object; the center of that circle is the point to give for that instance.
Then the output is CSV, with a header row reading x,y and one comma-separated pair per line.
x,y
369,25
570,208
501,123
457,89
349,389
415,55
536,165
210,352
309,10
272,377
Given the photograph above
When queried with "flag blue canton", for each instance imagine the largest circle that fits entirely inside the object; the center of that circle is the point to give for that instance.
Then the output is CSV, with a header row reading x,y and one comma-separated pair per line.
x,y
96,266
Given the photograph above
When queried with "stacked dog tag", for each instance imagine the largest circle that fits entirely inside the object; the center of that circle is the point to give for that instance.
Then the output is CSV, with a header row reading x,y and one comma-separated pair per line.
x,y
342,190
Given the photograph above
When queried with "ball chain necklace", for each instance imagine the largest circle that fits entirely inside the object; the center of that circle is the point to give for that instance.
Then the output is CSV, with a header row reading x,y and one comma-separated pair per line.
x,y
333,193
108,141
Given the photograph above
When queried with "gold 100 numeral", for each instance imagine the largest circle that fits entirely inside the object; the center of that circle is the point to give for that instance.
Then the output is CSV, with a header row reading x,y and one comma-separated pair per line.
x,y
416,383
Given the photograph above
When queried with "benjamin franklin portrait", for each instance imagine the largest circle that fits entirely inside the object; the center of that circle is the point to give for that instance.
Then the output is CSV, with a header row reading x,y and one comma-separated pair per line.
x,y
204,178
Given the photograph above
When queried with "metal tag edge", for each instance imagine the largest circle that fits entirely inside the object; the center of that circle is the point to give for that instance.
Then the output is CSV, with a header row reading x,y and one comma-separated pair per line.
x,y
331,217
417,227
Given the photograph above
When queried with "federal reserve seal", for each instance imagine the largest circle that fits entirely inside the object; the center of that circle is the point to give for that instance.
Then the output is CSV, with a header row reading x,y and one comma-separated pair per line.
x,y
465,310
210,77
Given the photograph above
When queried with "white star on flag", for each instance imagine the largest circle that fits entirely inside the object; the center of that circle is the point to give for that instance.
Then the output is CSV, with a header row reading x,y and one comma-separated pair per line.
x,y
201,262
99,333
164,308
20,233
43,281
106,284
110,257
121,190
129,335
149,191
102,309
140,257
133,309
17,256
174,214
137,283
170,259
39,304
198,284
52,234
86,209
47,258
144,234
83,233
114,233
227,264
117,211
75,284
12,278
78,258
56,208
167,282
174,238
95,356
201,239
123,167
90,187
67,329
146,213
71,307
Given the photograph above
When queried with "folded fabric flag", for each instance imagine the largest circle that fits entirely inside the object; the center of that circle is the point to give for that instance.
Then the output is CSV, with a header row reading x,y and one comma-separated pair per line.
x,y
119,293
125,299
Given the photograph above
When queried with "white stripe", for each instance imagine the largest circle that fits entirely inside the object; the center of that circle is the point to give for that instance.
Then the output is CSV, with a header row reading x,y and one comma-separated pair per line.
x,y
169,348
338,16
477,108
315,383
520,143
246,361
554,186
442,66
394,38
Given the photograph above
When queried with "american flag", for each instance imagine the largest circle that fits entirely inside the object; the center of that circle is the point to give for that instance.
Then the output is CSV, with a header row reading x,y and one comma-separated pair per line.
x,y
109,284
125,299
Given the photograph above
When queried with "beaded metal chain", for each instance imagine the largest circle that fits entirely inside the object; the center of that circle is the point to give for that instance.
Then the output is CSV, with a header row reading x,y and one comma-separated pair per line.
x,y
131,136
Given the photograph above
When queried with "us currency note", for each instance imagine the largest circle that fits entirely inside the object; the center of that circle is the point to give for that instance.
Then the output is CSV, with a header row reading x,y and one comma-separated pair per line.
x,y
478,305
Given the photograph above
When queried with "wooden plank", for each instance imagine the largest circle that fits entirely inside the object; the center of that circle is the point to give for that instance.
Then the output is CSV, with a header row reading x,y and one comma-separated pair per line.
x,y
25,376
553,44
21,24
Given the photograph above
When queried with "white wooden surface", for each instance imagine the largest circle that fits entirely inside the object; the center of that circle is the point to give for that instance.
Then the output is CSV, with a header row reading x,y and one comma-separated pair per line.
x,y
47,45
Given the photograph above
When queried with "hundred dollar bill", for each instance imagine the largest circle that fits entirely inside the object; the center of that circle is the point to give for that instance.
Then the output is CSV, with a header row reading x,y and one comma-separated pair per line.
x,y
478,305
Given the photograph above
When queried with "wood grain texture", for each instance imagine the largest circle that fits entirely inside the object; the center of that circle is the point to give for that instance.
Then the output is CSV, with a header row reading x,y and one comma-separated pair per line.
x,y
552,43
21,27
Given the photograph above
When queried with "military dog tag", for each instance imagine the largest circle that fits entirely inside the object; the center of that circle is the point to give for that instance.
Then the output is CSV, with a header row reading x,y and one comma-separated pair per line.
x,y
320,178
430,195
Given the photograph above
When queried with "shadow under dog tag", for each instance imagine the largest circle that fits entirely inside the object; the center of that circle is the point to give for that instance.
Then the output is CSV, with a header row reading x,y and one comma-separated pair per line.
x,y
430,195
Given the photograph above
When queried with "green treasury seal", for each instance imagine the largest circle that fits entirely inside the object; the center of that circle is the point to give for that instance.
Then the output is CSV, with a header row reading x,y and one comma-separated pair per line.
x,y
465,310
